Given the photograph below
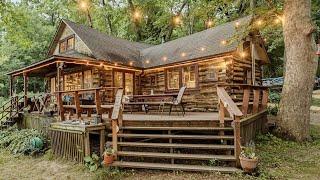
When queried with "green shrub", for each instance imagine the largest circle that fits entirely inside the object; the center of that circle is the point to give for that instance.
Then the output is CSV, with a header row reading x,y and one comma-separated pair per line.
x,y
274,97
24,141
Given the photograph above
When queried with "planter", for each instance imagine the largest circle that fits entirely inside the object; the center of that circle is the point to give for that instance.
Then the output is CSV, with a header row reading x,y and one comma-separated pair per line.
x,y
108,159
248,165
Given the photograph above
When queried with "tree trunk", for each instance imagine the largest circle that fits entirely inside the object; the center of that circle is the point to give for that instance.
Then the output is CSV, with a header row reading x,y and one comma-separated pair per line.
x,y
300,65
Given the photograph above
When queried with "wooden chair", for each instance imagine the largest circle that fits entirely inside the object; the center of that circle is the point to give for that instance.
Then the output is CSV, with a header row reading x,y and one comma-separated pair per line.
x,y
178,101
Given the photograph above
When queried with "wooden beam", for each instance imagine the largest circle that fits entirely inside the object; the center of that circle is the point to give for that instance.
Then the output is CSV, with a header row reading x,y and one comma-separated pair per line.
x,y
265,96
245,101
60,106
77,103
11,86
25,89
256,99
237,140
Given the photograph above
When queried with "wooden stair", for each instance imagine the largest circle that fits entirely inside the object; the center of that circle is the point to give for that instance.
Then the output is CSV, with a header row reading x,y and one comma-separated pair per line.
x,y
175,167
190,145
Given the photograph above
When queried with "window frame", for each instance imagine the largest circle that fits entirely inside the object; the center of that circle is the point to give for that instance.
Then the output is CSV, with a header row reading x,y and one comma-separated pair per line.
x,y
180,69
65,40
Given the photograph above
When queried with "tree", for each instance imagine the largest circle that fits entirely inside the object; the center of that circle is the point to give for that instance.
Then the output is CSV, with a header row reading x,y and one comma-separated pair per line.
x,y
301,64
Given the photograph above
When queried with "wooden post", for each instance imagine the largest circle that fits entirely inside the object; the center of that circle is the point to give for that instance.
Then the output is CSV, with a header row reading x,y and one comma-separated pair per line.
x,y
237,140
60,106
102,141
87,144
25,89
245,101
77,103
11,86
221,113
256,98
265,96
98,102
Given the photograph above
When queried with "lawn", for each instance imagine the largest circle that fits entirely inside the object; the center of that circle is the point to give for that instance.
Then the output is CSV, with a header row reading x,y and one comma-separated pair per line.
x,y
316,102
280,159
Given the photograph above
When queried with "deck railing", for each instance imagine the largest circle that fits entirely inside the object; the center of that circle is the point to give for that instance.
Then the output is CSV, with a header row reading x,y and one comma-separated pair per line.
x,y
76,104
248,121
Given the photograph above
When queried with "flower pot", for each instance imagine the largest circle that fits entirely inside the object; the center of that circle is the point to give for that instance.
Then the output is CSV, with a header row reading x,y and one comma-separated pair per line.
x,y
248,165
108,159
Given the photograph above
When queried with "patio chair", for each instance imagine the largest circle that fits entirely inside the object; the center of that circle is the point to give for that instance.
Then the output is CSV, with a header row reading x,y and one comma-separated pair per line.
x,y
177,101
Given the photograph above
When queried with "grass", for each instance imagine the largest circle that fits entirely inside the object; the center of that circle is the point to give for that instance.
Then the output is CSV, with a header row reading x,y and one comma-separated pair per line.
x,y
279,159
315,102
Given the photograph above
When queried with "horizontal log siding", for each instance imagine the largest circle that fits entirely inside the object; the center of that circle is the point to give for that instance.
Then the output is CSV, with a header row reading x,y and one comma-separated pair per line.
x,y
202,99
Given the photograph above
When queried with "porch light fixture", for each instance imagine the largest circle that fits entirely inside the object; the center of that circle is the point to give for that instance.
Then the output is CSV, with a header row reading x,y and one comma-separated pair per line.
x,y
243,54
147,61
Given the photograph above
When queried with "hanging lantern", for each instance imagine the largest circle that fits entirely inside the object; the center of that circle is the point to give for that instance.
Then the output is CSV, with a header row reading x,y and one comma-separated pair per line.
x,y
318,52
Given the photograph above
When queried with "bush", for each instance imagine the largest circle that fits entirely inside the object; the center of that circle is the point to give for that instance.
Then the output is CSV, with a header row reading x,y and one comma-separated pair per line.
x,y
24,141
274,97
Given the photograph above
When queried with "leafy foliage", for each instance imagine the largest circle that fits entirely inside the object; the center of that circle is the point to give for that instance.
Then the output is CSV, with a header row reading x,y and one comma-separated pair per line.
x,y
249,151
92,162
20,141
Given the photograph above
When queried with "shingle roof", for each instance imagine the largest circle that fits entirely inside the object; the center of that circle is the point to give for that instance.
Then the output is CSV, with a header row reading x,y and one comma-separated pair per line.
x,y
201,44
105,47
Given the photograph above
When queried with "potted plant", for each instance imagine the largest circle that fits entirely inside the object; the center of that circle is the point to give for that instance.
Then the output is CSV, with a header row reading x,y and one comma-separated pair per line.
x,y
108,156
248,158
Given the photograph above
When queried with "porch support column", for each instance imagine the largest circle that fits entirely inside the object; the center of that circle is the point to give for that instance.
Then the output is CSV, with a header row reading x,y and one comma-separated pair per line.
x,y
253,62
25,89
59,75
59,89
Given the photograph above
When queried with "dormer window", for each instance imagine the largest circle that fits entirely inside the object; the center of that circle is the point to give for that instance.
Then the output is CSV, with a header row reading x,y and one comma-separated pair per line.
x,y
66,44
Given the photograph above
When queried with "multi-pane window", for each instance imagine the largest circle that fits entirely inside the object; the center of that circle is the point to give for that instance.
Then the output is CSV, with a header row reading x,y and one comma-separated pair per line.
x,y
72,81
182,76
212,73
66,44
189,76
87,79
173,76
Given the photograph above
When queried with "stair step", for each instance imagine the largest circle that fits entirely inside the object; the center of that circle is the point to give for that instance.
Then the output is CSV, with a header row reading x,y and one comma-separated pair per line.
x,y
167,136
178,128
177,156
175,120
176,146
175,167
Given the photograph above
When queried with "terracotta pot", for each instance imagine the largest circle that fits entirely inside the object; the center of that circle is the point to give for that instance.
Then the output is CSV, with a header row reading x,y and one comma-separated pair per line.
x,y
108,159
248,165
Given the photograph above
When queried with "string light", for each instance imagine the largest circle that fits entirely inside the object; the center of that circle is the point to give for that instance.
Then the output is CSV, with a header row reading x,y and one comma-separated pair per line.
x,y
237,24
265,39
83,5
116,64
209,23
164,58
177,20
87,63
259,22
223,42
131,63
203,49
101,64
147,61
277,20
183,54
136,15
243,54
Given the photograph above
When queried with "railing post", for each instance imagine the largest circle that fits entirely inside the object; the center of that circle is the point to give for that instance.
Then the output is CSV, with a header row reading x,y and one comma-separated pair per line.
x,y
237,140
98,101
60,106
116,114
77,103
256,97
245,100
265,95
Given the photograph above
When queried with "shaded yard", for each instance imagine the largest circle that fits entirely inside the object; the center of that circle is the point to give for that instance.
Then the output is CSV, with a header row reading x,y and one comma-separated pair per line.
x,y
279,160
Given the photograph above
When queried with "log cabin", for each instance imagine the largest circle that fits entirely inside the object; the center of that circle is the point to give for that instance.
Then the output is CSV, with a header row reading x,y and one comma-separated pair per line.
x,y
81,57
221,68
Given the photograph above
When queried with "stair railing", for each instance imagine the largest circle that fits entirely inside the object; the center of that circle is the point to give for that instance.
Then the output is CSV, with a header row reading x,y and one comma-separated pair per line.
x,y
226,103
116,119
11,107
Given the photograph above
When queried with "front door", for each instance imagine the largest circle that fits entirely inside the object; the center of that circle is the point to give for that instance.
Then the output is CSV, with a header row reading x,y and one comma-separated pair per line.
x,y
124,80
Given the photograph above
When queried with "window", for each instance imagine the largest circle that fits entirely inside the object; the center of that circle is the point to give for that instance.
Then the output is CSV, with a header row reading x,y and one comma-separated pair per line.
x,y
66,44
173,76
87,79
182,76
212,73
129,83
72,81
124,80
189,76
118,79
